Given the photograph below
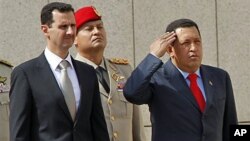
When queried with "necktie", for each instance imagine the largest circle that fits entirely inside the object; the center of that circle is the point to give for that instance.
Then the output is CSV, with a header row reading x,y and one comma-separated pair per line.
x,y
103,77
67,88
196,91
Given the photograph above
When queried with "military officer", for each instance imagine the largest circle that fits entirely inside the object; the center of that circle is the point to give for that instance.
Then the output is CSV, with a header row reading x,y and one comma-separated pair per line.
x,y
123,119
5,71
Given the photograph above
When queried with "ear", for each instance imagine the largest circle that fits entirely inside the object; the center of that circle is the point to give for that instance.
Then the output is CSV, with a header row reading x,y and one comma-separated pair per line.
x,y
170,51
45,30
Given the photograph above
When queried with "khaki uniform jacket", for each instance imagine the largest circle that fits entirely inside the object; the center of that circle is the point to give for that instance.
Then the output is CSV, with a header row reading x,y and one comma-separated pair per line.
x,y
124,120
5,71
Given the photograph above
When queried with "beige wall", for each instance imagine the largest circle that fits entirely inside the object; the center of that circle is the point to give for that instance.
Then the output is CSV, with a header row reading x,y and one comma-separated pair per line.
x,y
133,24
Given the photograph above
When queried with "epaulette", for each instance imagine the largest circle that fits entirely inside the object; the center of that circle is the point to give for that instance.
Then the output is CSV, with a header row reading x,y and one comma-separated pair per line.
x,y
6,63
119,61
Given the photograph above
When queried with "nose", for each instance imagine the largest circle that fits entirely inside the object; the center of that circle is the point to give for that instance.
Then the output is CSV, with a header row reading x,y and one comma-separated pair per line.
x,y
70,30
193,46
96,30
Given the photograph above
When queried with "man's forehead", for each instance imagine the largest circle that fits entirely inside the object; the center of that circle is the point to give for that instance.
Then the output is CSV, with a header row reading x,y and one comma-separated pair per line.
x,y
183,30
63,16
66,14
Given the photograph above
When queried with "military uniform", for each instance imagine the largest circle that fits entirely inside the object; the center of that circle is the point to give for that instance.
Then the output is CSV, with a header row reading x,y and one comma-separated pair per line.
x,y
5,71
123,119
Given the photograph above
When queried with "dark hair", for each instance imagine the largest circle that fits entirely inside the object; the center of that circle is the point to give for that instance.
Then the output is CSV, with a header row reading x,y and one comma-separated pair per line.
x,y
46,13
181,23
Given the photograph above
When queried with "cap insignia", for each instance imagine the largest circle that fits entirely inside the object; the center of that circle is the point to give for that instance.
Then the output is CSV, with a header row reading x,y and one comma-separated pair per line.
x,y
3,86
97,12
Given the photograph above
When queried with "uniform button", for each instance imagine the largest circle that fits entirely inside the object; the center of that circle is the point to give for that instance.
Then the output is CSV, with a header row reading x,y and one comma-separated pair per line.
x,y
112,118
110,101
115,134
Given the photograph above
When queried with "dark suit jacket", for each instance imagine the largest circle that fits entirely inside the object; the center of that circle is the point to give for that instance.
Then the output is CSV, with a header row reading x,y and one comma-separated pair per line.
x,y
175,115
38,111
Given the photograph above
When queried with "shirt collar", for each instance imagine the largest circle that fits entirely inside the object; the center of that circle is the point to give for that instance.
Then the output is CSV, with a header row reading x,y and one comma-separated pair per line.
x,y
185,74
55,60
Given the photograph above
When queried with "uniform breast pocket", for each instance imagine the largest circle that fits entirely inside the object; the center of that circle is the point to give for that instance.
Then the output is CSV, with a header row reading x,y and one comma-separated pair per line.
x,y
4,107
127,106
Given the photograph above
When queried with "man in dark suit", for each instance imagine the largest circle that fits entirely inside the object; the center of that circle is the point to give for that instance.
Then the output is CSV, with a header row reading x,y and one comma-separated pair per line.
x,y
182,108
42,108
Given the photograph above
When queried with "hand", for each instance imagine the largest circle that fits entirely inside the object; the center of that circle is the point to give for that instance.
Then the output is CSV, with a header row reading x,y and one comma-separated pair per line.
x,y
160,45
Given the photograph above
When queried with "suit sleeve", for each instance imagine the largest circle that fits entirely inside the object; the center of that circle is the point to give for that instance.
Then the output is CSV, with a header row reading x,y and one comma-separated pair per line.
x,y
138,126
230,115
138,87
20,106
99,126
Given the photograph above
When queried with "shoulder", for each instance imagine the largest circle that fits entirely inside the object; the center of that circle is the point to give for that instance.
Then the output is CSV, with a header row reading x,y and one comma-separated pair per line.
x,y
119,67
215,71
119,61
28,65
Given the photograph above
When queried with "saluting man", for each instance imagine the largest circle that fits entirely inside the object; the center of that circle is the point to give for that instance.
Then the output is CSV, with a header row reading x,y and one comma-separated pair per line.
x,y
5,71
123,119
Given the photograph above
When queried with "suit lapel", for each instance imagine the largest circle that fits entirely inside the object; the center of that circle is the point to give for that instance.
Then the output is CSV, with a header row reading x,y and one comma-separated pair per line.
x,y
83,77
178,83
82,84
208,86
52,86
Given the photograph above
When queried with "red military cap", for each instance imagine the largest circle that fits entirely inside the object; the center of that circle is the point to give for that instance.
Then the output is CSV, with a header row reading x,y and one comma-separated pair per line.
x,y
86,14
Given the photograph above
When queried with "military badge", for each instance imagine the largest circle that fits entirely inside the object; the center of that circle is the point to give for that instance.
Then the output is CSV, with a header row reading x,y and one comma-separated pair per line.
x,y
96,12
115,76
3,86
120,86
210,82
121,83
3,79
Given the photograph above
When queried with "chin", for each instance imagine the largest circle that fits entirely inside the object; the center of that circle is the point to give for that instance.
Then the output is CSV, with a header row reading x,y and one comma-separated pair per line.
x,y
67,46
195,64
98,46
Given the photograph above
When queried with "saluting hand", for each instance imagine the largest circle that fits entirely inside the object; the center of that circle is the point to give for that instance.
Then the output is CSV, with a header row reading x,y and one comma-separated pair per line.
x,y
160,45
